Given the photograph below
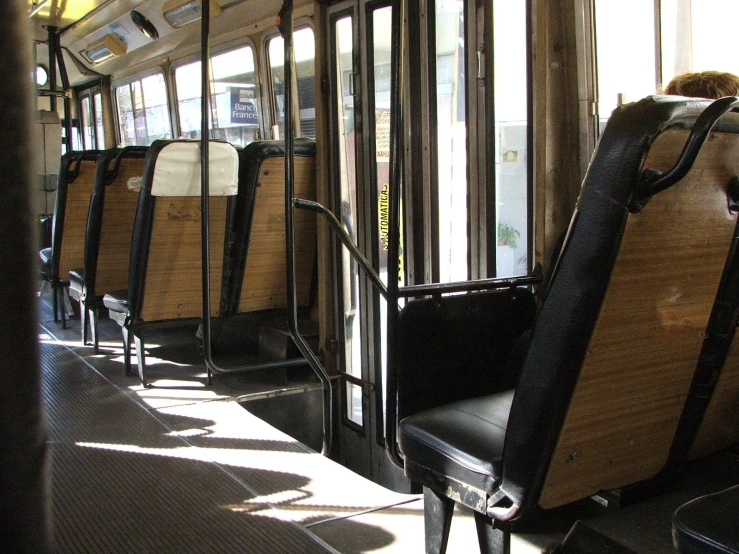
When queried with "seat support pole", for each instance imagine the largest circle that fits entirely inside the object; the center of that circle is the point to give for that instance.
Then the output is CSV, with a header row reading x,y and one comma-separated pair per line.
x,y
494,536
437,520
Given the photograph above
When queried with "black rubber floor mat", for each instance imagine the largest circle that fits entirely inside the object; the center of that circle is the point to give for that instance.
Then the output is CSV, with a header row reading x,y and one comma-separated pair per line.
x,y
122,483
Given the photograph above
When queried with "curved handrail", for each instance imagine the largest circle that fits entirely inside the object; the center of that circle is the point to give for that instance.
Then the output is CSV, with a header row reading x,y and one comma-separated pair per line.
x,y
652,182
346,240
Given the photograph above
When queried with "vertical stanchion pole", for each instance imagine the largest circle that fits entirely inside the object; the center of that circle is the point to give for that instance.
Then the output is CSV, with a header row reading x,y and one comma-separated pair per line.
x,y
285,25
204,184
24,488
393,269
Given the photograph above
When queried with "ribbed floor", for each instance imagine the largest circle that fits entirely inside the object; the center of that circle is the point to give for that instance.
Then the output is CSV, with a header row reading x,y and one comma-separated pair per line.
x,y
122,481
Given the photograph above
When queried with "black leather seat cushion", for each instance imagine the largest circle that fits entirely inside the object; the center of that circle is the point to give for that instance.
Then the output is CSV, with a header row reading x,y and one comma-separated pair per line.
x,y
708,524
463,440
116,301
77,281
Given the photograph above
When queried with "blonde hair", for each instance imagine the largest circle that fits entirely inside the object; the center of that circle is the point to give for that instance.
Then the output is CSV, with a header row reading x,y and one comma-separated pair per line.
x,y
704,84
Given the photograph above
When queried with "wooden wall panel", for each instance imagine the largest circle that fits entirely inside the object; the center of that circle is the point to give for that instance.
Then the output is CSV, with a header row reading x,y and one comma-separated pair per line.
x,y
644,348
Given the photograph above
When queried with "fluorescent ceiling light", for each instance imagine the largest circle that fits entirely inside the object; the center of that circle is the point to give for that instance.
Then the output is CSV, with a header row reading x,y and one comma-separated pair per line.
x,y
179,13
107,47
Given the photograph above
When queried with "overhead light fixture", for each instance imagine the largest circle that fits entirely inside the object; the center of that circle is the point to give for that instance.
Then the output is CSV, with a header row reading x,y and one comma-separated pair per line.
x,y
179,13
107,47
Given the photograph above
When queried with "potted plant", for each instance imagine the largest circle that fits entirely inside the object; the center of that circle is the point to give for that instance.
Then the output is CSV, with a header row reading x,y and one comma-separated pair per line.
x,y
507,235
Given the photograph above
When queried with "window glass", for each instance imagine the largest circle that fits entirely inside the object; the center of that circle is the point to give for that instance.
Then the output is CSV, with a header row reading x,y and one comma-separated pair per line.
x,y
143,113
305,53
626,65
88,133
234,97
511,119
344,110
694,38
97,103
452,139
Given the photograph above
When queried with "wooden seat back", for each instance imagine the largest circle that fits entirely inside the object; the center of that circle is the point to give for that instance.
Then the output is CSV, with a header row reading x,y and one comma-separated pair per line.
x,y
112,215
601,398
646,344
258,280
165,280
76,181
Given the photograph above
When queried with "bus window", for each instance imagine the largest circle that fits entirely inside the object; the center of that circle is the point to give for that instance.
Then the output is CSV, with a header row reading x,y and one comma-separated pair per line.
x,y
626,68
452,138
97,113
695,38
143,113
91,120
88,131
234,102
511,123
305,71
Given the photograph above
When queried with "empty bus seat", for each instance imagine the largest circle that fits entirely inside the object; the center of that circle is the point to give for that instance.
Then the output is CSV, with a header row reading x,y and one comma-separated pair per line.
x,y
76,180
616,343
108,237
255,278
165,266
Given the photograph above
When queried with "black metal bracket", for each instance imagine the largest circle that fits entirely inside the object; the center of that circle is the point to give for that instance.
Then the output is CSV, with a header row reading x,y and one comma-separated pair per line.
x,y
652,182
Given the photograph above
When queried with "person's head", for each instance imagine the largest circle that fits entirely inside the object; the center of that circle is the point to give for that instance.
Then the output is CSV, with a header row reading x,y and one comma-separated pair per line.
x,y
704,84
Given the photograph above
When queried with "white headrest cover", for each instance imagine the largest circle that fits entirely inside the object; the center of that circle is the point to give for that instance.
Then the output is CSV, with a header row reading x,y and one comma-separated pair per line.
x,y
177,170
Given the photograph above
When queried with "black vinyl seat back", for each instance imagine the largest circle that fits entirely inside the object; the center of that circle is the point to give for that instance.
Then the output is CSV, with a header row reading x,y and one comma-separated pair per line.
x,y
254,278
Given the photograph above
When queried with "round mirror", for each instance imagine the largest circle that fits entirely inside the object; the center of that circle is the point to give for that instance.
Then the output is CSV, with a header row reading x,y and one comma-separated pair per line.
x,y
42,75
144,25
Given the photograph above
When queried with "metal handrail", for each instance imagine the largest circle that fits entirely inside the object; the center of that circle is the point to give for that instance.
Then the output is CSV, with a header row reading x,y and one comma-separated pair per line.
x,y
346,240
651,182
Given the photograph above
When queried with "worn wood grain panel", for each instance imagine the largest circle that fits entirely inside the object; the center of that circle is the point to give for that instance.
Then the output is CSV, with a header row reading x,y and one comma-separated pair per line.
x,y
265,284
644,348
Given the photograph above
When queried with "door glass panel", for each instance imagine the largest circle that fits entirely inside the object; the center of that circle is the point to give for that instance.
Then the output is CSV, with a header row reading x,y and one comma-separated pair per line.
x,y
380,90
344,47
305,53
509,36
626,66
452,137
